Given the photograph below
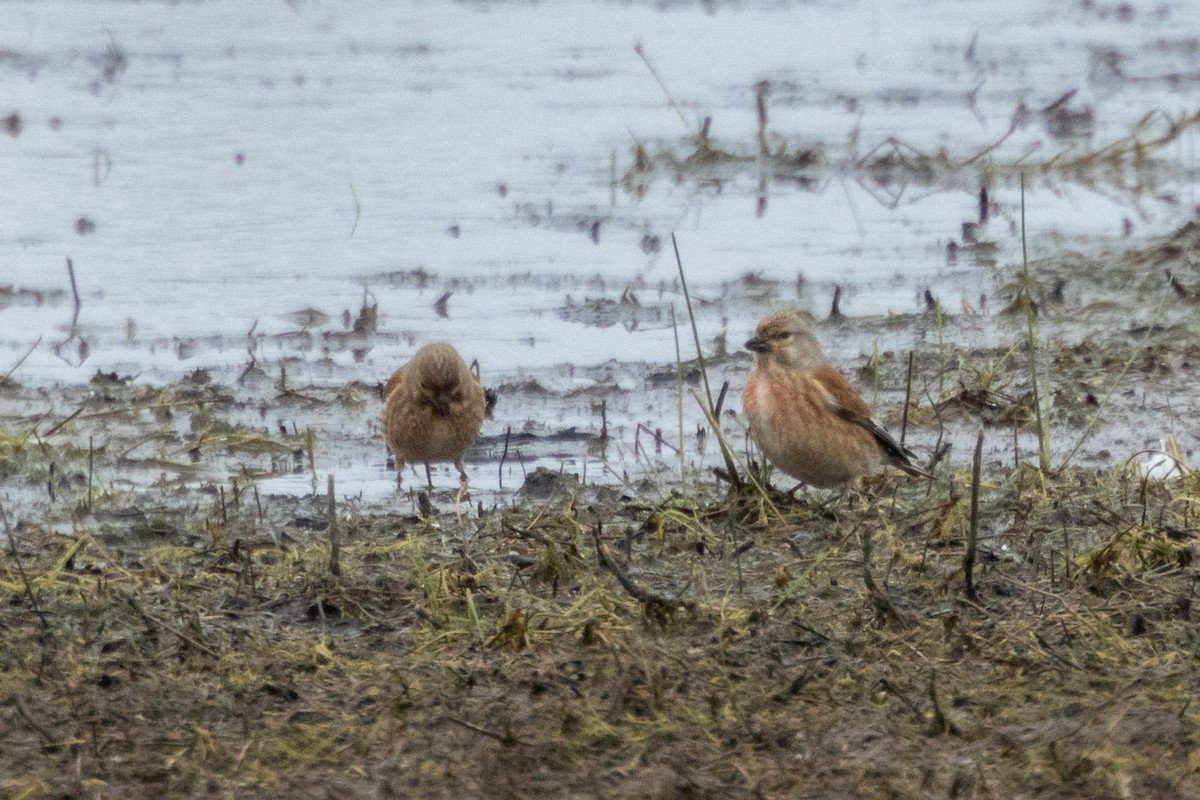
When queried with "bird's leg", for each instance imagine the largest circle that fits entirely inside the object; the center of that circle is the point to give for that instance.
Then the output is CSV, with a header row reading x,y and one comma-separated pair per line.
x,y
429,476
842,499
826,507
399,474
462,488
801,496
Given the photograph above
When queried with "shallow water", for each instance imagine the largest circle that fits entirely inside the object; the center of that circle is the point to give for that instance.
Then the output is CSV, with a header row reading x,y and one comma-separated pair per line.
x,y
215,171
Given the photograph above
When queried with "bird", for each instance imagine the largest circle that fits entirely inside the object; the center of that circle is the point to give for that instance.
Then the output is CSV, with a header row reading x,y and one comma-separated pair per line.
x,y
433,408
803,413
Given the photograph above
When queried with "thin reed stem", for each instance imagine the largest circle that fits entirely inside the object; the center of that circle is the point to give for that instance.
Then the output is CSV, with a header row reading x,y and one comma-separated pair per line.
x,y
734,479
678,387
973,531
1043,429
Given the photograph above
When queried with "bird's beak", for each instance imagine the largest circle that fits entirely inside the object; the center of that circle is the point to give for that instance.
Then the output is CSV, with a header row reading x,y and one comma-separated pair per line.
x,y
756,345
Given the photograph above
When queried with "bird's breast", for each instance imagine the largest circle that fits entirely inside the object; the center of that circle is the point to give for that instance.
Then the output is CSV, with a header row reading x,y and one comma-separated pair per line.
x,y
795,427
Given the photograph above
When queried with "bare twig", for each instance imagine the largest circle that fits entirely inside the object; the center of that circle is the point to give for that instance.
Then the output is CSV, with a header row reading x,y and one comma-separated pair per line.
x,y
637,48
172,629
38,728
91,469
73,415
74,293
12,543
939,723
357,209
4,378
504,456
973,532
734,478
1043,429
1013,124
1053,653
883,604
907,399
656,606
508,739
73,328
335,542
678,386
761,90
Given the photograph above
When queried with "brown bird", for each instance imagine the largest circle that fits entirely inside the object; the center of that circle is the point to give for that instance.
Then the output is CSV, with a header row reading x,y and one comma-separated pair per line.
x,y
803,413
433,408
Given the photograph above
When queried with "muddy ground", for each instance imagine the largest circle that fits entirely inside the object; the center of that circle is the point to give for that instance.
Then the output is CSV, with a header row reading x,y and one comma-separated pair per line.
x,y
172,630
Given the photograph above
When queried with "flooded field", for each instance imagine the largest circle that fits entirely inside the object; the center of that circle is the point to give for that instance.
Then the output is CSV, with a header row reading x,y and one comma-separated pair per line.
x,y
235,190
226,224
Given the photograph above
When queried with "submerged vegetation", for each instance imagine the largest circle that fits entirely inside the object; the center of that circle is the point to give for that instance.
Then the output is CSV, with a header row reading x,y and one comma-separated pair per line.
x,y
1058,140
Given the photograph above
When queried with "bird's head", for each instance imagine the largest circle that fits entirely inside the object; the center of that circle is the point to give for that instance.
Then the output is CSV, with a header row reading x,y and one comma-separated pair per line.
x,y
438,366
785,338
439,377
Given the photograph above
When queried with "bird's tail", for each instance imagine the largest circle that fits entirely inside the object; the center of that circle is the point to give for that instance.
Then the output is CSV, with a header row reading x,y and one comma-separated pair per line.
x,y
903,463
894,453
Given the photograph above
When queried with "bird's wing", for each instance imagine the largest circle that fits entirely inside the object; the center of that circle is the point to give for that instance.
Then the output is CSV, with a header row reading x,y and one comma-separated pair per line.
x,y
392,382
839,393
847,404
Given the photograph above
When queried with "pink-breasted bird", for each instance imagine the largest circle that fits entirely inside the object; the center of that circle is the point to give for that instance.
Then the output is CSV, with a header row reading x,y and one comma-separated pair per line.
x,y
803,413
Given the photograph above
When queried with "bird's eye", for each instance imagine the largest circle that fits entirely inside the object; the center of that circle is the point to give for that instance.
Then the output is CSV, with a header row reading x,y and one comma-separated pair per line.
x,y
785,335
